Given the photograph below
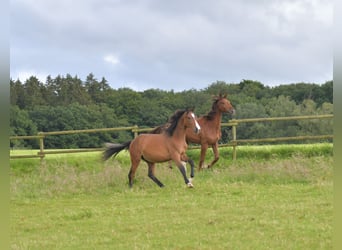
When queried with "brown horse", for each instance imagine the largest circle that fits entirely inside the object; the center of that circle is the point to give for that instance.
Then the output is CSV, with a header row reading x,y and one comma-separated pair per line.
x,y
154,148
210,128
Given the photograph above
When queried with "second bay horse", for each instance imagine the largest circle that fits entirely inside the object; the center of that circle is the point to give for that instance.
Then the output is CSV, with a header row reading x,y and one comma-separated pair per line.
x,y
155,148
211,128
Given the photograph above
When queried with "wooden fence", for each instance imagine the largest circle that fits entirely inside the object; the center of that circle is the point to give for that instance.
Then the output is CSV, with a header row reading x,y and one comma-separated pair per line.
x,y
136,130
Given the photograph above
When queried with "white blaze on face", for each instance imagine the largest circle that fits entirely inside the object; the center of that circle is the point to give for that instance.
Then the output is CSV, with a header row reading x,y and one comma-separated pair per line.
x,y
196,123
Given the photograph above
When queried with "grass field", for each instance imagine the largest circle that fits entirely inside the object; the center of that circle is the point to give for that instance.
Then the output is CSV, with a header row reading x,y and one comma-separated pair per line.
x,y
272,197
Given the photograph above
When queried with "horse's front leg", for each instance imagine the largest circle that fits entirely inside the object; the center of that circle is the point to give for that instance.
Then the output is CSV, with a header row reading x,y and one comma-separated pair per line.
x,y
182,168
185,158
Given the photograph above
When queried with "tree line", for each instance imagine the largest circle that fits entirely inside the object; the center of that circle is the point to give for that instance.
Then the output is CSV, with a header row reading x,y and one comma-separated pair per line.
x,y
69,103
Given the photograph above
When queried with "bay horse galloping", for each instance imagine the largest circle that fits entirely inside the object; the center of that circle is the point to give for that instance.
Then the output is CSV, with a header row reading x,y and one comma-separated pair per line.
x,y
155,148
210,128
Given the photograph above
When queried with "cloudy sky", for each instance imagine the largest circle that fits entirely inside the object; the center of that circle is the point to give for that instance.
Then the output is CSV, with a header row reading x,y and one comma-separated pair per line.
x,y
176,44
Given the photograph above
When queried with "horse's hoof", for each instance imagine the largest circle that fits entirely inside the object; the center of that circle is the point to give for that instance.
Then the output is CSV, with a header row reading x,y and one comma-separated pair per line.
x,y
190,185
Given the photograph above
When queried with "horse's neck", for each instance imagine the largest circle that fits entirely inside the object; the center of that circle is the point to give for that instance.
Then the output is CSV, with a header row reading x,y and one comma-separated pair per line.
x,y
216,119
179,133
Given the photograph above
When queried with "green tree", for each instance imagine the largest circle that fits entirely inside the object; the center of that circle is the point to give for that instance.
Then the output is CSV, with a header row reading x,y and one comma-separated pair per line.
x,y
98,91
281,107
251,130
70,90
17,93
64,103
298,91
326,125
324,93
315,126
77,117
50,92
253,88
21,124
76,92
127,104
33,93
217,87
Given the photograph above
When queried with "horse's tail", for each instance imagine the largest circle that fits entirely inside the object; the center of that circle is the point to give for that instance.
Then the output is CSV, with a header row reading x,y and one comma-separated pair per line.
x,y
157,130
114,149
160,129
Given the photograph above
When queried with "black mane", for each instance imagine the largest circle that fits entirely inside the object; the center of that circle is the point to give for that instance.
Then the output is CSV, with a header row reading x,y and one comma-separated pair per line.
x,y
173,121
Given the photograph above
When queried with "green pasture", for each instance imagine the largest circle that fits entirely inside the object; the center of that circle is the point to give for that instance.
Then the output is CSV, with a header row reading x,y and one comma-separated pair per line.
x,y
271,197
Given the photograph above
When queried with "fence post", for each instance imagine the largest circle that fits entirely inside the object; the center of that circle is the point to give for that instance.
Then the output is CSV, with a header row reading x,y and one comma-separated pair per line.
x,y
41,146
234,139
135,131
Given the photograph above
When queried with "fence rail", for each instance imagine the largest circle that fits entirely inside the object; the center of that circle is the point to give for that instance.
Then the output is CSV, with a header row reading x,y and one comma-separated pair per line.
x,y
136,130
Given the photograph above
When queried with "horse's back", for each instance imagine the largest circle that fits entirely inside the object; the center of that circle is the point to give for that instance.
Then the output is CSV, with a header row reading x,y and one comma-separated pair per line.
x,y
152,147
150,139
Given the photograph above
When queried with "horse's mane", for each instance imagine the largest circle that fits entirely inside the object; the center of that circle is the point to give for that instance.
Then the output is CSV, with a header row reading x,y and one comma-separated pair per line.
x,y
212,112
173,121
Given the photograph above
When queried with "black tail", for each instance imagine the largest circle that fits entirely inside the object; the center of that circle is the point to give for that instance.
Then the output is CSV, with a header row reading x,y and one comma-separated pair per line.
x,y
160,129
157,130
114,149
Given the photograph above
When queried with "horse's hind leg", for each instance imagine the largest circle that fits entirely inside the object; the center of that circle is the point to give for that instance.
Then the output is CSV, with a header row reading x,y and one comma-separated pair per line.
x,y
204,148
134,166
216,155
151,167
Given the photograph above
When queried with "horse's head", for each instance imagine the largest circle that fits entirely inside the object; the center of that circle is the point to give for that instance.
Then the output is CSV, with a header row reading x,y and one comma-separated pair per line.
x,y
223,104
182,118
191,121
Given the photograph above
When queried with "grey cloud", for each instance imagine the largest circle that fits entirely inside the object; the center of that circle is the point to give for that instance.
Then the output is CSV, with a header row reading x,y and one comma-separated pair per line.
x,y
182,44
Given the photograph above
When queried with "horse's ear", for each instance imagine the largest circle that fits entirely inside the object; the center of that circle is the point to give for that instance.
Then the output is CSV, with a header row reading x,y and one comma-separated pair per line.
x,y
190,109
222,95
